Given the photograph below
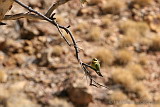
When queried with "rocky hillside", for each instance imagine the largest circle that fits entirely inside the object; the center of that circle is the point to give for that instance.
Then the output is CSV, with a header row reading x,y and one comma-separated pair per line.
x,y
38,68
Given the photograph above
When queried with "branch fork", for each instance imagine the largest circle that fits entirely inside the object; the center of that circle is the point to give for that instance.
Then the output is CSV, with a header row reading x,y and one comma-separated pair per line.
x,y
49,16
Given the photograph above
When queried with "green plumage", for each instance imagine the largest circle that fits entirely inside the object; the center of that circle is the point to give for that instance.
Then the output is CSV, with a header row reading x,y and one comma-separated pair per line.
x,y
96,65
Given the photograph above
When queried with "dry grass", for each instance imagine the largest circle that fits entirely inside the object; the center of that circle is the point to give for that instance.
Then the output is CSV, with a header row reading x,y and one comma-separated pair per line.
x,y
142,92
143,59
94,34
137,71
82,26
155,45
105,56
143,2
113,6
123,57
127,80
118,96
134,33
105,21
127,41
132,28
124,77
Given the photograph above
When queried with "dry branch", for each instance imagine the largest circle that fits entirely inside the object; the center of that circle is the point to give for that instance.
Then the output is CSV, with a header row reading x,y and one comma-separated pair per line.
x,y
32,14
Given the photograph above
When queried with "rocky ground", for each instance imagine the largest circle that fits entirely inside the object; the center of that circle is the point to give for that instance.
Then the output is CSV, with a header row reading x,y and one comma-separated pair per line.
x,y
38,69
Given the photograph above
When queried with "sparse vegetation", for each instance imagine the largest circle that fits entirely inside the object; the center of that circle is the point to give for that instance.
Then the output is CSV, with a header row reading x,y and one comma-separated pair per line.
x,y
113,6
124,78
127,41
135,29
128,81
143,2
142,92
123,57
124,35
94,34
106,21
143,59
118,96
105,56
137,71
155,45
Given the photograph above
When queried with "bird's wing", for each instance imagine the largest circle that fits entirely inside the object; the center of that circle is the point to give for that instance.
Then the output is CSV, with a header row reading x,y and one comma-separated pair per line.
x,y
97,67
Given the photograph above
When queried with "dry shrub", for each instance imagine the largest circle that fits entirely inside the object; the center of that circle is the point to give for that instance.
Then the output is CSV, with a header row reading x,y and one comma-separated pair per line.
x,y
123,57
127,41
57,50
104,55
113,6
155,45
118,96
137,71
120,99
143,59
142,91
106,21
145,42
127,80
143,2
132,28
124,77
82,26
94,34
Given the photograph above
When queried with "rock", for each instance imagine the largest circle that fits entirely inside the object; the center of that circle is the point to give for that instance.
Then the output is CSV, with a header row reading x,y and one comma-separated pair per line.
x,y
79,96
18,86
3,76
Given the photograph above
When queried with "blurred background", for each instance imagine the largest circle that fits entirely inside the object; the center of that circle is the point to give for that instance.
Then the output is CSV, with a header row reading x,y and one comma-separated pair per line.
x,y
38,68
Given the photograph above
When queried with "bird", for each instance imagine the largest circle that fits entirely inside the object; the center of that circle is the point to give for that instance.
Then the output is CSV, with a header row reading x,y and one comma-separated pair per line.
x,y
96,65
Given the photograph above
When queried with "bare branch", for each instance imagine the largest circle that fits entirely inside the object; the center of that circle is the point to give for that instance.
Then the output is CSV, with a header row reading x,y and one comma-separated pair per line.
x,y
84,66
22,15
44,17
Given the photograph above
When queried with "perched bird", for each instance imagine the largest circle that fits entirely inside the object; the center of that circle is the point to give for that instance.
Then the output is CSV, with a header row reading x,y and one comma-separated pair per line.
x,y
96,65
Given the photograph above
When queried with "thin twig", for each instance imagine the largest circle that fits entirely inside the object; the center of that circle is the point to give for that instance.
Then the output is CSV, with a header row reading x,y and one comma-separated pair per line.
x,y
54,6
43,16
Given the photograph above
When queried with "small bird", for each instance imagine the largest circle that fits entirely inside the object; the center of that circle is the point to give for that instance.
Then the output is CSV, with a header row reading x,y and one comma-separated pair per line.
x,y
96,65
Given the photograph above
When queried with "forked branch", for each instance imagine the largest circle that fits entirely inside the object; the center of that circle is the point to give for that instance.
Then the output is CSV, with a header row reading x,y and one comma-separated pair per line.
x,y
49,17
